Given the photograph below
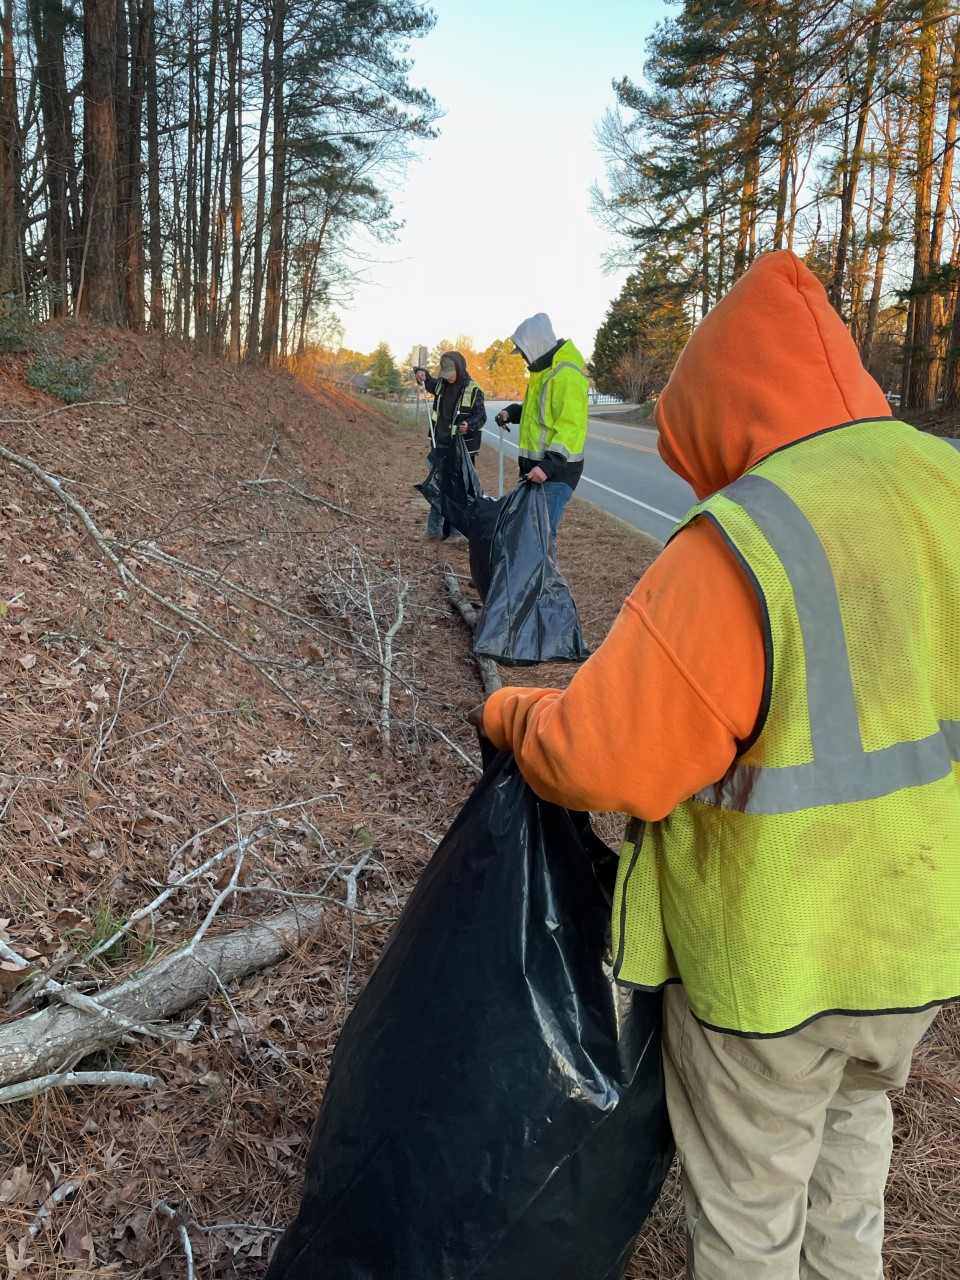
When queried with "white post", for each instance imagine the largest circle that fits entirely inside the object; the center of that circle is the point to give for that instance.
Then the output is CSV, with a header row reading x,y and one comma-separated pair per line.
x,y
500,468
418,359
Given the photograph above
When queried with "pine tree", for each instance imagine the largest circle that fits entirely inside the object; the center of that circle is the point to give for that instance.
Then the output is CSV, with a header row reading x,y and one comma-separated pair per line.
x,y
385,377
642,334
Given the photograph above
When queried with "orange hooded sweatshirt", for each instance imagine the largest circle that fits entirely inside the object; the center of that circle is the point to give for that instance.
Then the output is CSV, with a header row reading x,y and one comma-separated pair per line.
x,y
658,711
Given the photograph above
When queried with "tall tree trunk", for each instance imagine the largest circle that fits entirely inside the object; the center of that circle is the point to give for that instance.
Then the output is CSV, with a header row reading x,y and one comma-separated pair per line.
x,y
235,113
915,385
190,186
934,315
256,284
951,377
270,337
48,23
131,196
788,58
100,295
154,215
179,237
851,171
10,193
894,142
749,197
705,254
201,308
285,285
218,254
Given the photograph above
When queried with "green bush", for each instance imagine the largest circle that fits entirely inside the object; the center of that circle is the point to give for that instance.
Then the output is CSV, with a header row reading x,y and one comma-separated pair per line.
x,y
62,377
18,332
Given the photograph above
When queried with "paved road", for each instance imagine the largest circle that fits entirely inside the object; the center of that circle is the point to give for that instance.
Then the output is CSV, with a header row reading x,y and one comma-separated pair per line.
x,y
623,473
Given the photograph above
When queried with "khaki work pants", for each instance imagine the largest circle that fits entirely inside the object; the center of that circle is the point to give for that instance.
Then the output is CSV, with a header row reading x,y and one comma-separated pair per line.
x,y
785,1143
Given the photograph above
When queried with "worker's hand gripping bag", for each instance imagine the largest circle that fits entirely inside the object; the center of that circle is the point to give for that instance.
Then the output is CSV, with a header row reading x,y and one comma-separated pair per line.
x,y
495,1108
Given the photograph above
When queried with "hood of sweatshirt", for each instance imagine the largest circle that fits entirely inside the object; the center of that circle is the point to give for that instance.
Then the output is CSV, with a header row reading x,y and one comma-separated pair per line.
x,y
460,365
534,337
770,364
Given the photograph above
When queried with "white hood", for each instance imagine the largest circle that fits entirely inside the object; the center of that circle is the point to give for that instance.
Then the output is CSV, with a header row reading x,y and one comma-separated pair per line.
x,y
534,337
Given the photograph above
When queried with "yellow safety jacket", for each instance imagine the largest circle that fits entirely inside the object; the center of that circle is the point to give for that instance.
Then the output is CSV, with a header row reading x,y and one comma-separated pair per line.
x,y
554,414
464,403
822,873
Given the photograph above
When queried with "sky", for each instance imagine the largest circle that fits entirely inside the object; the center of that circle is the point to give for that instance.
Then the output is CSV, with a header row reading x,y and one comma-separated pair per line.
x,y
497,208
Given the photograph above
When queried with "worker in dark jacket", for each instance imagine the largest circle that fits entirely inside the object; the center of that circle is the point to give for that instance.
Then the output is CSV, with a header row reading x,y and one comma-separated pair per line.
x,y
457,409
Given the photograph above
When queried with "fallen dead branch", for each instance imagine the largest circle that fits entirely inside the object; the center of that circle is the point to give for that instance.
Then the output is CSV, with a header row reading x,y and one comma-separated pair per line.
x,y
387,657
307,497
76,1080
95,404
197,872
86,1004
489,675
169,1212
43,1042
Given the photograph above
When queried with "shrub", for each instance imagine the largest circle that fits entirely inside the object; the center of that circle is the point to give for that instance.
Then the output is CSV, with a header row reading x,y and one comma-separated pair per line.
x,y
62,377
18,332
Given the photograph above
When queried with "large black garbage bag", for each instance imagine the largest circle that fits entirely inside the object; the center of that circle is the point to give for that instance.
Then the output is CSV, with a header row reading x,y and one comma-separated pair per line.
x,y
495,1108
454,487
529,614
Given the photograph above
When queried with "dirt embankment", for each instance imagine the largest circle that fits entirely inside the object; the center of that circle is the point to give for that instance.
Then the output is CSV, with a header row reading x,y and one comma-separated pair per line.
x,y
231,683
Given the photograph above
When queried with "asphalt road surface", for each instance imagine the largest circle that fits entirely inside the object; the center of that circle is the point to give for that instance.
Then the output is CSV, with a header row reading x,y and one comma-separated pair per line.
x,y
623,473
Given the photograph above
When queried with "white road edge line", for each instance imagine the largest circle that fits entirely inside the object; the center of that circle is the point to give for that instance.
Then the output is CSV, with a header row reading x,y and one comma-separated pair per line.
x,y
636,501
616,492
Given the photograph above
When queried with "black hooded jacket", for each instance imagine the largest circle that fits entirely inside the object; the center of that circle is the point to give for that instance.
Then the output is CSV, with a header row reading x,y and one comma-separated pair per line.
x,y
446,398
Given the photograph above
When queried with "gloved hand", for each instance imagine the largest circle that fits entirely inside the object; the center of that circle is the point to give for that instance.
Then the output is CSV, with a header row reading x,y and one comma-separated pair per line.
x,y
502,421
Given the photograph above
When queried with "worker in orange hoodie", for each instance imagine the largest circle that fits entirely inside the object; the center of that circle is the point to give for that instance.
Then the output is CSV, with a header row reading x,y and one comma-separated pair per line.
x,y
777,708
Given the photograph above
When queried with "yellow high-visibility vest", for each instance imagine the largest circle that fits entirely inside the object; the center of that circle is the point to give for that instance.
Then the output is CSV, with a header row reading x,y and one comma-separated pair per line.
x,y
554,414
464,403
822,873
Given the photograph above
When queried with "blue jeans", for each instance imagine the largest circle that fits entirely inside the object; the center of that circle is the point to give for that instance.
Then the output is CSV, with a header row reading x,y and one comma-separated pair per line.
x,y
557,494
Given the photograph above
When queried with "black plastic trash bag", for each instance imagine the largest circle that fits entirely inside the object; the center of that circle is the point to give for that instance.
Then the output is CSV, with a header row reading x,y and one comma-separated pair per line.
x,y
529,614
454,487
495,1108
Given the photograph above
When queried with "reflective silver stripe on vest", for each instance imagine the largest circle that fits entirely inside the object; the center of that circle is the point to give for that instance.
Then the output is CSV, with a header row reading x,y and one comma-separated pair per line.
x,y
564,364
470,390
841,771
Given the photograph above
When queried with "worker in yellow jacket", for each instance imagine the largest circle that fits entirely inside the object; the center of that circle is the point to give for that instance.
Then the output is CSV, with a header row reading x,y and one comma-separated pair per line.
x,y
553,416
778,708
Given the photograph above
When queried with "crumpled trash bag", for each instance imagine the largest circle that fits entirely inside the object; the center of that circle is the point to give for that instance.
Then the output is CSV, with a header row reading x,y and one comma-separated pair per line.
x,y
529,613
454,487
495,1108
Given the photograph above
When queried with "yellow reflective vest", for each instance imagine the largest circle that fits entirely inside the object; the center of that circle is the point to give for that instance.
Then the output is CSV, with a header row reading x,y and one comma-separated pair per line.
x,y
822,873
464,403
554,414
